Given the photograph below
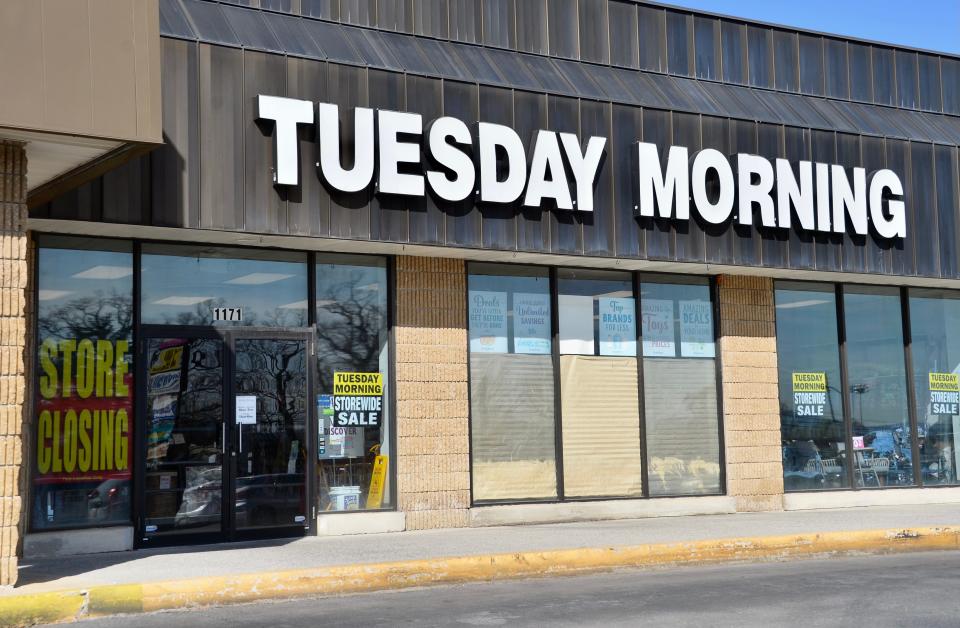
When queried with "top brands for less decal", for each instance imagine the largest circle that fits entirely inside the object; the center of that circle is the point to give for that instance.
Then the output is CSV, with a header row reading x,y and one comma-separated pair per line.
x,y
83,423
618,330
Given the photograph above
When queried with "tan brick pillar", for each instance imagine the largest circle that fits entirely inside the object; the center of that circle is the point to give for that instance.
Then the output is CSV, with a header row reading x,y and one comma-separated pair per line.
x,y
751,409
13,285
433,445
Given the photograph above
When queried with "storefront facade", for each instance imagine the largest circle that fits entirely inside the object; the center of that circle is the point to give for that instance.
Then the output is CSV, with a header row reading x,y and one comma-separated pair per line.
x,y
433,264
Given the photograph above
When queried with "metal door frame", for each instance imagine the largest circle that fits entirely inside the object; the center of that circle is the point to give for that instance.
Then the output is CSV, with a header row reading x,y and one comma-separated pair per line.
x,y
228,336
310,528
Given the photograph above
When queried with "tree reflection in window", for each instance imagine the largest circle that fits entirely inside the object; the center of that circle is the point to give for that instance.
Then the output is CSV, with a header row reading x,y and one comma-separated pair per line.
x,y
351,331
103,315
85,384
351,319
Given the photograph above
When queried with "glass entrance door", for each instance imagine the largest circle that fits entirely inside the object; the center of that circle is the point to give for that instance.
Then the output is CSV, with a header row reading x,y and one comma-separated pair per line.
x,y
183,424
271,415
225,435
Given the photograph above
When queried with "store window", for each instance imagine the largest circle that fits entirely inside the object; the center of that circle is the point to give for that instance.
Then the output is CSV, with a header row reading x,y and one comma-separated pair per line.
x,y
680,386
935,350
599,397
811,398
205,285
353,396
511,383
876,373
82,453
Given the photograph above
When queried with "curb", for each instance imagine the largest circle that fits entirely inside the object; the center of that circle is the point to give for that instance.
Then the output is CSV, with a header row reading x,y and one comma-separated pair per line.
x,y
99,601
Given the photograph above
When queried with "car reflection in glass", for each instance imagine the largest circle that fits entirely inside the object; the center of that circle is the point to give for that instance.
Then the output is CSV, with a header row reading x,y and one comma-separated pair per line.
x,y
262,500
201,503
109,497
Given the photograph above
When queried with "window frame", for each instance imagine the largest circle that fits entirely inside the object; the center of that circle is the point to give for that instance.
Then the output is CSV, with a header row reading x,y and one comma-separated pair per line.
x,y
33,385
633,279
138,437
550,276
636,279
903,295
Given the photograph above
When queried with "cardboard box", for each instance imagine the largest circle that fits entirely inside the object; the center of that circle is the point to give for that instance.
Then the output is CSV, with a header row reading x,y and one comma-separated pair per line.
x,y
161,505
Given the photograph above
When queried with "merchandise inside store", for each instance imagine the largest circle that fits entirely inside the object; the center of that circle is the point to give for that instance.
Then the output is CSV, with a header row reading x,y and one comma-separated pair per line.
x,y
589,384
868,385
201,392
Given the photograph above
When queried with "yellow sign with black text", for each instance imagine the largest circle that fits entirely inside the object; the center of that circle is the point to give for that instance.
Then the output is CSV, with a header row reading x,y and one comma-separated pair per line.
x,y
167,359
809,382
362,384
946,382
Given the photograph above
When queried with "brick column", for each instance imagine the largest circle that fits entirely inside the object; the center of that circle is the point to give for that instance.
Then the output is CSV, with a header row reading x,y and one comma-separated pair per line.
x,y
433,446
751,409
13,413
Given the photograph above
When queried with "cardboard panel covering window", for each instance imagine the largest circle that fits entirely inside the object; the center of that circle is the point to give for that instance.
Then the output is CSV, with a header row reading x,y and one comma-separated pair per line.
x,y
600,408
601,434
513,439
511,384
681,414
680,387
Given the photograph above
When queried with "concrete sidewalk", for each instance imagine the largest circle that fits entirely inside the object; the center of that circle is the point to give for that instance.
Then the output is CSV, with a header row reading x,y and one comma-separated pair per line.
x,y
139,581
312,552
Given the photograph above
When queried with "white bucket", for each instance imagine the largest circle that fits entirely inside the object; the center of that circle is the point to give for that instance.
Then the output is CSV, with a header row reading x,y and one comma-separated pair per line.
x,y
345,497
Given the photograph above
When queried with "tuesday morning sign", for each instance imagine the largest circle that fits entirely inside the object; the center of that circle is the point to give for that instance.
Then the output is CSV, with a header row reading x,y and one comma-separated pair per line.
x,y
395,153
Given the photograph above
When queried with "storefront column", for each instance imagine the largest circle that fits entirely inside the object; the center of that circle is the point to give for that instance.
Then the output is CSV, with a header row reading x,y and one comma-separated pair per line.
x,y
751,411
14,276
433,445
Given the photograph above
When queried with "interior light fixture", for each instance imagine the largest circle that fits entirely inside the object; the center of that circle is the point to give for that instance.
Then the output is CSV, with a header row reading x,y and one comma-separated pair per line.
x,y
258,279
804,303
181,300
52,295
105,272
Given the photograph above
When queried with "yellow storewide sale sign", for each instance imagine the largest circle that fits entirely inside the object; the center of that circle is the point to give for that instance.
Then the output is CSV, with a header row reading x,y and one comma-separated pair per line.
x,y
947,382
362,384
809,382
